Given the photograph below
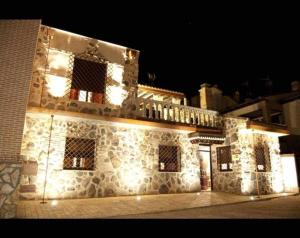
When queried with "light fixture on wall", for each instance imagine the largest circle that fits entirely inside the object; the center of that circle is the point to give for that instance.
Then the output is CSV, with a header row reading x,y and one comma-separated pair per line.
x,y
47,162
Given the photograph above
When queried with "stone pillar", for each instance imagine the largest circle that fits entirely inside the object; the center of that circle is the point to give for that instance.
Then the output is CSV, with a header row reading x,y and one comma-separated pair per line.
x,y
266,112
205,96
10,171
150,110
184,101
210,97
166,113
130,80
162,112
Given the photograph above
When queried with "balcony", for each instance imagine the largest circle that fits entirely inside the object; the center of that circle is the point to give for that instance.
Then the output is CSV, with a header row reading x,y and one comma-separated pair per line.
x,y
175,113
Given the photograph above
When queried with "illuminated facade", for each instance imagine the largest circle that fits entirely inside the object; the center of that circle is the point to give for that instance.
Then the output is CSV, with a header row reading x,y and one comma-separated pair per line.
x,y
110,136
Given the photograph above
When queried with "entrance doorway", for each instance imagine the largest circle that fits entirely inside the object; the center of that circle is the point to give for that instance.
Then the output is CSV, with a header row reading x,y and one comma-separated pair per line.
x,y
205,167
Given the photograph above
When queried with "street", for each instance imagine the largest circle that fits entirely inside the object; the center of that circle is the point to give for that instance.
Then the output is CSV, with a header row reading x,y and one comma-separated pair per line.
x,y
283,207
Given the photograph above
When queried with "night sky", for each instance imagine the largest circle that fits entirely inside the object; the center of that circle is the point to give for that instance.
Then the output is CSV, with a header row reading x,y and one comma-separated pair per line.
x,y
188,45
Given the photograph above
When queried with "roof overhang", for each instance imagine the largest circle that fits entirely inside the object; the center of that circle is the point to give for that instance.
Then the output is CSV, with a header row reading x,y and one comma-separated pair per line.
x,y
207,138
160,91
269,129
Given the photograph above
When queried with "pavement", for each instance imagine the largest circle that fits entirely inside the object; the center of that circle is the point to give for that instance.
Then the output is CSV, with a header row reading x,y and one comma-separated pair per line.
x,y
185,205
275,208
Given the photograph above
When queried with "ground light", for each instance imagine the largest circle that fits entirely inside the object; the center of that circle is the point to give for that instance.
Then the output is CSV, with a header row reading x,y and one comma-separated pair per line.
x,y
198,194
54,203
138,198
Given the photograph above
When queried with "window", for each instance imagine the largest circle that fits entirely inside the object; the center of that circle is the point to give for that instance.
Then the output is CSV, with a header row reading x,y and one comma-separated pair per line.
x,y
224,159
262,156
88,81
169,158
79,154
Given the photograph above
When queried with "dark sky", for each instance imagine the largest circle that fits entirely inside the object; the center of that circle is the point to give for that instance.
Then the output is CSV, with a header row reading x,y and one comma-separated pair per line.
x,y
188,45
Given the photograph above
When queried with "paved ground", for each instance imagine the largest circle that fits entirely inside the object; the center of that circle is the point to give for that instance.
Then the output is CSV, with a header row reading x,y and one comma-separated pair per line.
x,y
283,207
124,206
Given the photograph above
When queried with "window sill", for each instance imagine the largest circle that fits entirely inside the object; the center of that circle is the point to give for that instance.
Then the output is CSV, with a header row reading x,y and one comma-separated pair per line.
x,y
222,171
80,169
169,171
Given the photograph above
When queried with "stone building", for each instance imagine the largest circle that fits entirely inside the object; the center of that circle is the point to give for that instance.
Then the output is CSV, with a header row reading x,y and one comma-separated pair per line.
x,y
76,124
280,110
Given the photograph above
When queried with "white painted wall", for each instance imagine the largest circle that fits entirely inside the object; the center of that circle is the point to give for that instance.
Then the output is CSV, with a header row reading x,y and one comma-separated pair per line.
x,y
289,173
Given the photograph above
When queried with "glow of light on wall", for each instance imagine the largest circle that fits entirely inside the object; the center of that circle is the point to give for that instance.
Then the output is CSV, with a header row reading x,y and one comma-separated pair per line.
x,y
57,86
190,175
58,60
245,131
132,175
289,174
116,72
245,140
246,183
54,186
116,95
277,183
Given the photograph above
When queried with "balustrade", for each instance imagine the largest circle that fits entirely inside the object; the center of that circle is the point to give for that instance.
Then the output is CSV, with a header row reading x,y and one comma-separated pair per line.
x,y
158,110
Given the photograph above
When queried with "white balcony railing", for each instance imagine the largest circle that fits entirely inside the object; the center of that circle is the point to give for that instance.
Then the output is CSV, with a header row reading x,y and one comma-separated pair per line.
x,y
157,110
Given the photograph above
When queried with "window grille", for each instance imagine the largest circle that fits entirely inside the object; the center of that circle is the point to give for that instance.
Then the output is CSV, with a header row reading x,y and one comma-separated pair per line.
x,y
224,158
262,156
79,154
169,158
88,81
85,77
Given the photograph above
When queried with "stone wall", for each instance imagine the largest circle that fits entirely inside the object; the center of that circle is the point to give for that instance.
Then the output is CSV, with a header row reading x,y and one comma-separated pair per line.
x,y
230,181
271,181
126,159
9,183
243,178
69,45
